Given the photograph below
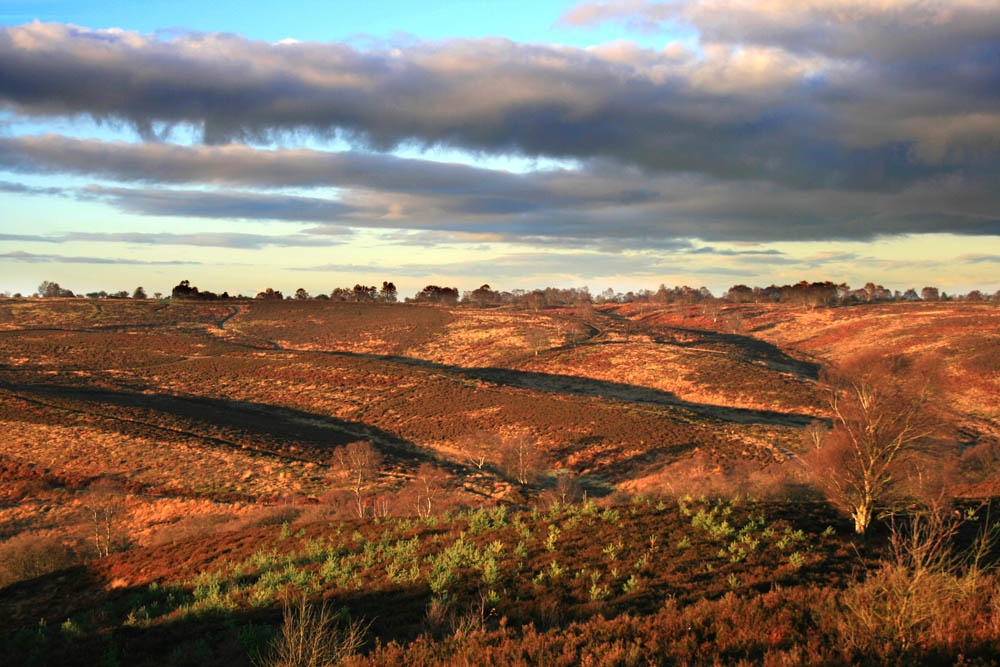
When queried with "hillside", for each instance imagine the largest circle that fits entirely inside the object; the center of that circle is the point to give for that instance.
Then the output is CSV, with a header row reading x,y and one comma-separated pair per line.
x,y
198,448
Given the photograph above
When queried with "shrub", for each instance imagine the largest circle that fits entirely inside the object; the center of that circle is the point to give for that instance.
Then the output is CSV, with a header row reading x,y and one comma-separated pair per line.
x,y
927,595
30,555
312,636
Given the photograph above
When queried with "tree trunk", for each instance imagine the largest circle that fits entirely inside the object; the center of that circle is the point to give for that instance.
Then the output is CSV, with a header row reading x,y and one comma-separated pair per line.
x,y
862,517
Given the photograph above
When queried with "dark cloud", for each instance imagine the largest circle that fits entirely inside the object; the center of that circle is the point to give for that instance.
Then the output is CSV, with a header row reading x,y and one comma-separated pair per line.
x,y
709,250
754,108
202,239
709,211
22,189
598,202
32,258
226,205
981,259
242,166
474,190
791,121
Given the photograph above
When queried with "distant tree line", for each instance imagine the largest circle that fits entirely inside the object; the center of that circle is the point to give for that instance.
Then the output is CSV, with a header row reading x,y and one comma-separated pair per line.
x,y
358,293
52,290
803,293
830,294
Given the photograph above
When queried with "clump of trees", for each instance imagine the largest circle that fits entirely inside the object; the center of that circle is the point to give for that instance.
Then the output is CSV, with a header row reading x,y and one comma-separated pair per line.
x,y
388,293
364,293
482,297
436,294
549,297
270,294
185,290
50,290
29,555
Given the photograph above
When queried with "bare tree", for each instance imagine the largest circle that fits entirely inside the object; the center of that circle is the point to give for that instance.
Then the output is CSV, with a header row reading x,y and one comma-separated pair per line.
x,y
477,447
884,416
428,485
814,435
711,309
734,321
105,503
567,489
538,339
360,462
521,457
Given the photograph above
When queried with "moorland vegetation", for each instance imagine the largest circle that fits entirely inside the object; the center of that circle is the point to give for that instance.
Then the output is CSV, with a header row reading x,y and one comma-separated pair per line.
x,y
499,478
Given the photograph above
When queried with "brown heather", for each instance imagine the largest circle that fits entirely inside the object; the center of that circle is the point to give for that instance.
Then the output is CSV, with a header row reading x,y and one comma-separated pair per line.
x,y
629,484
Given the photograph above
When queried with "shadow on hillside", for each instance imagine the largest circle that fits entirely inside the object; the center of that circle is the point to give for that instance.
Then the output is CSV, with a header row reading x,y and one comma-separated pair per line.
x,y
208,637
756,350
650,462
573,385
260,427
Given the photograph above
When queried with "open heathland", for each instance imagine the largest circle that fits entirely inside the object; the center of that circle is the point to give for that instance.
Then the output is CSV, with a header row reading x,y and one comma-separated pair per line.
x,y
619,484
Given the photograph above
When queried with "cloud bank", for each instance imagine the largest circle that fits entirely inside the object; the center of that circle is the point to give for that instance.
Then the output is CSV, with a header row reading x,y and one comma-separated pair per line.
x,y
783,120
756,102
597,202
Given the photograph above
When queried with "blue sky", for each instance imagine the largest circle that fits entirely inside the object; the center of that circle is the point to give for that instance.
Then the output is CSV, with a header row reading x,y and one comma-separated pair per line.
x,y
624,143
326,21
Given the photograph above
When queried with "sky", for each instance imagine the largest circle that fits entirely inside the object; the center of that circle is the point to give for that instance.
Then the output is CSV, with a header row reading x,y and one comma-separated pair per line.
x,y
617,143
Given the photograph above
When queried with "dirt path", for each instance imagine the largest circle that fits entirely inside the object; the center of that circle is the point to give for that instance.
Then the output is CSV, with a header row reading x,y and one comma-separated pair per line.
x,y
233,312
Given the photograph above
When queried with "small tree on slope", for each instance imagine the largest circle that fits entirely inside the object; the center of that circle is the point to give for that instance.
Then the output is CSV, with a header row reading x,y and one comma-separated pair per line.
x,y
886,418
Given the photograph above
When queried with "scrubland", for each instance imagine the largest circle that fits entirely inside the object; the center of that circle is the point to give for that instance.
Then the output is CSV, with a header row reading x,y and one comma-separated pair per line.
x,y
627,484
